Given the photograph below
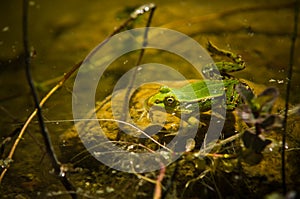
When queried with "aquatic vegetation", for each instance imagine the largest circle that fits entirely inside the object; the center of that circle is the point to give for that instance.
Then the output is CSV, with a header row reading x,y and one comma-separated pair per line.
x,y
256,112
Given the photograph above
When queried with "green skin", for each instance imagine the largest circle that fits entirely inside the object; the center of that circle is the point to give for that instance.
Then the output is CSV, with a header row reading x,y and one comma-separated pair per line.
x,y
186,99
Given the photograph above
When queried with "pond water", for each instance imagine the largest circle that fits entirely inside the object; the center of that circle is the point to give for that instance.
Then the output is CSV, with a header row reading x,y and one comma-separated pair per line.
x,y
62,33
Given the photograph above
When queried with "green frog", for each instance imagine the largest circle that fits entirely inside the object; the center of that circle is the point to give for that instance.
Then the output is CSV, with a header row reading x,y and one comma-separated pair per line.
x,y
203,93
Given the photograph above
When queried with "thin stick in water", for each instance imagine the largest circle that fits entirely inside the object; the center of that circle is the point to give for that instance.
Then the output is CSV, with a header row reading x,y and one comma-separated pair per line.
x,y
287,97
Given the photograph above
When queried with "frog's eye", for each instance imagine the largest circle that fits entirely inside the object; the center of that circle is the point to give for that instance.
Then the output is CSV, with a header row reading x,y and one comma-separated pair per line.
x,y
169,100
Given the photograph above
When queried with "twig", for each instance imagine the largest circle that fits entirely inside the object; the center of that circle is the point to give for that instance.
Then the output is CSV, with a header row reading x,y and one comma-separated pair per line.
x,y
204,151
51,92
157,191
142,9
46,136
29,119
137,129
287,97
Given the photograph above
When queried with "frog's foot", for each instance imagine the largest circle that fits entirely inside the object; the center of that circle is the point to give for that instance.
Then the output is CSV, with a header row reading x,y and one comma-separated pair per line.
x,y
235,63
234,57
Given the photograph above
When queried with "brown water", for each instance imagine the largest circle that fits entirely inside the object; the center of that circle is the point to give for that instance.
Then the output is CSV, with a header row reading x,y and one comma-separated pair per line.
x,y
63,32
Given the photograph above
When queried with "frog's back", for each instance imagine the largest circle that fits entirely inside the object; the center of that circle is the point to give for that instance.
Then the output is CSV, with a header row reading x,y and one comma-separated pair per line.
x,y
199,90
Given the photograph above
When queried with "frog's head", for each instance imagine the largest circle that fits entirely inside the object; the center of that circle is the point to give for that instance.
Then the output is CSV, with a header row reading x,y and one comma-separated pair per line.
x,y
164,99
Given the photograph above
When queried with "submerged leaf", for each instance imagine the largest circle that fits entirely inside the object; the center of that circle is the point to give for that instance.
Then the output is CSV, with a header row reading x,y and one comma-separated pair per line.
x,y
255,142
271,122
251,158
261,104
266,99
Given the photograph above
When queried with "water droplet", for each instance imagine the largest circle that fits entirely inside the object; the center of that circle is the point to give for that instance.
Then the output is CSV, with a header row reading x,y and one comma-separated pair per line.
x,y
272,80
31,3
280,81
5,29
